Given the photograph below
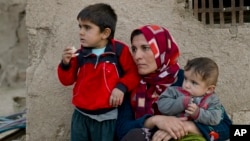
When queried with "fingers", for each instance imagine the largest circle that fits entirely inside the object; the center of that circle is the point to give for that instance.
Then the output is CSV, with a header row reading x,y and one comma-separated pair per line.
x,y
161,135
173,133
185,130
120,100
68,53
183,118
181,130
176,128
114,101
116,97
191,109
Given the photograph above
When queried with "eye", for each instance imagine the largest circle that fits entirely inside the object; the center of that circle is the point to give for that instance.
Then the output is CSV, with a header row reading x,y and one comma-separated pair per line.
x,y
133,49
146,48
79,26
194,83
87,27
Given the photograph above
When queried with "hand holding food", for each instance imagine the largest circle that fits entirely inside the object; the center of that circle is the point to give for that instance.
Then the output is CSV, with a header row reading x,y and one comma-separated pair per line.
x,y
68,53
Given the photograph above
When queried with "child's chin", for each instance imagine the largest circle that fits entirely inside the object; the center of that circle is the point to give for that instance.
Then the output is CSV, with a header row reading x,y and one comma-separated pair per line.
x,y
84,45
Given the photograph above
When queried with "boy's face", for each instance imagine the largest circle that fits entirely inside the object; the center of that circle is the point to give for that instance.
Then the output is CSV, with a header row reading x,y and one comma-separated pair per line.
x,y
194,84
90,35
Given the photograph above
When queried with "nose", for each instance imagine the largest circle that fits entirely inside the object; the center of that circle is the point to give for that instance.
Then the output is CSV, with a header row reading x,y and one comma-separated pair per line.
x,y
81,31
137,54
185,84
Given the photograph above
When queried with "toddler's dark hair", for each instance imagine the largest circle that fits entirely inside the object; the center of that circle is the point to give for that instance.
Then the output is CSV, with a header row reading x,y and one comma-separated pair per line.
x,y
205,67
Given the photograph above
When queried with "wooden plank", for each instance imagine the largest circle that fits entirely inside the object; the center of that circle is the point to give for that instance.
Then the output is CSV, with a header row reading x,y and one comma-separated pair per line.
x,y
211,12
8,133
233,12
222,22
196,9
203,13
17,135
241,13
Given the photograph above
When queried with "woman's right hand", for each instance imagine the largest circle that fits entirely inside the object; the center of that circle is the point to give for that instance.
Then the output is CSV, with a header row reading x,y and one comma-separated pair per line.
x,y
172,125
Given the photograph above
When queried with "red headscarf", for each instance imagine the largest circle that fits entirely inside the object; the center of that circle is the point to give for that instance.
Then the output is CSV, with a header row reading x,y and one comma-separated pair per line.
x,y
166,54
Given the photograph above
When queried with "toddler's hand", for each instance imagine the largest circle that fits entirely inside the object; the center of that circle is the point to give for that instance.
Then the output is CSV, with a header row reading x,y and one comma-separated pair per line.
x,y
116,97
192,109
68,53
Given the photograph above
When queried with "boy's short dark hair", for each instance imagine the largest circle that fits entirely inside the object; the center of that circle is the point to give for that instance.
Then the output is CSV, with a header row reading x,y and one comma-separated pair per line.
x,y
102,15
205,67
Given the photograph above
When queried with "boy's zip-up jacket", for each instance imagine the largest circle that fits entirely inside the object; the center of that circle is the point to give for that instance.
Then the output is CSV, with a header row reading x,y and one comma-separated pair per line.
x,y
94,77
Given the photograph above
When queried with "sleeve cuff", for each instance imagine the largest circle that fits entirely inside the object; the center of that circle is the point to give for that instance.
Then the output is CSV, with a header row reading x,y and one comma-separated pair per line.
x,y
122,87
64,66
196,115
143,119
186,101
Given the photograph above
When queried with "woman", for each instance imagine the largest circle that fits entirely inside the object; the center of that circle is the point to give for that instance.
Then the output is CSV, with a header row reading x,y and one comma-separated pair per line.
x,y
156,54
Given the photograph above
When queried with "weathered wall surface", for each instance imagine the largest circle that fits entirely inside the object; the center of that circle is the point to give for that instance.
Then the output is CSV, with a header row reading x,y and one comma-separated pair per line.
x,y
52,25
13,56
13,43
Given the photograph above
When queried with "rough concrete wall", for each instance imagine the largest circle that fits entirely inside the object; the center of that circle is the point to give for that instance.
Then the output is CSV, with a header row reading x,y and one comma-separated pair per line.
x,y
13,43
52,25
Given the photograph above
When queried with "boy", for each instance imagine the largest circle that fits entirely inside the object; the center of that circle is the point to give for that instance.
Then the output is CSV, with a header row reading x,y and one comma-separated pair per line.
x,y
102,71
196,99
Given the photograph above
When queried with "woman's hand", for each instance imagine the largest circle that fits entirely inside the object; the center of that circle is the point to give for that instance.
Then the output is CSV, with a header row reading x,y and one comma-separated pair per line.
x,y
161,135
191,127
172,125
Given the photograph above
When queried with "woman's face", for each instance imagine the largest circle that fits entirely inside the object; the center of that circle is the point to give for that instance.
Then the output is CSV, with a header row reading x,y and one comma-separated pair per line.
x,y
143,55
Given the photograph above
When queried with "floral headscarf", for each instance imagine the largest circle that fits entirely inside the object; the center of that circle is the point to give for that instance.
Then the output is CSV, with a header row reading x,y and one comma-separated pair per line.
x,y
166,54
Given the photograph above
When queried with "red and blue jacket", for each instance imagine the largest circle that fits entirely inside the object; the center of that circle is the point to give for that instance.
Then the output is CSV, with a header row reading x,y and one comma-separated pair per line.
x,y
94,77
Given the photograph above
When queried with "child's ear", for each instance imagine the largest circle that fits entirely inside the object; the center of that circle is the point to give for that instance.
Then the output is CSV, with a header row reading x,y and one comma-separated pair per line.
x,y
210,89
106,33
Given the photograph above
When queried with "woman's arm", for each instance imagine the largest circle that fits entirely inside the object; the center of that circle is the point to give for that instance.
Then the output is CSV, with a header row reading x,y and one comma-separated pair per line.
x,y
126,122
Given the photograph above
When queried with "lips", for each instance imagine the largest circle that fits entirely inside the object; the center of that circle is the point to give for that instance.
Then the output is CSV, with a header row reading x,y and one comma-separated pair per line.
x,y
141,65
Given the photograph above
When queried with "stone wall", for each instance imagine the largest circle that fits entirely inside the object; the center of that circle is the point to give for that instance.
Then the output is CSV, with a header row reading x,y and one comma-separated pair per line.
x,y
51,25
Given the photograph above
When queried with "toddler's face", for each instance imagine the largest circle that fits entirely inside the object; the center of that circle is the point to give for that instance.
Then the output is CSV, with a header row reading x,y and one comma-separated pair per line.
x,y
194,84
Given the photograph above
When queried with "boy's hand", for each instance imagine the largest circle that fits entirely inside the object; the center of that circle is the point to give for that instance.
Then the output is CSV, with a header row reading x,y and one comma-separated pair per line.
x,y
116,97
192,109
68,53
